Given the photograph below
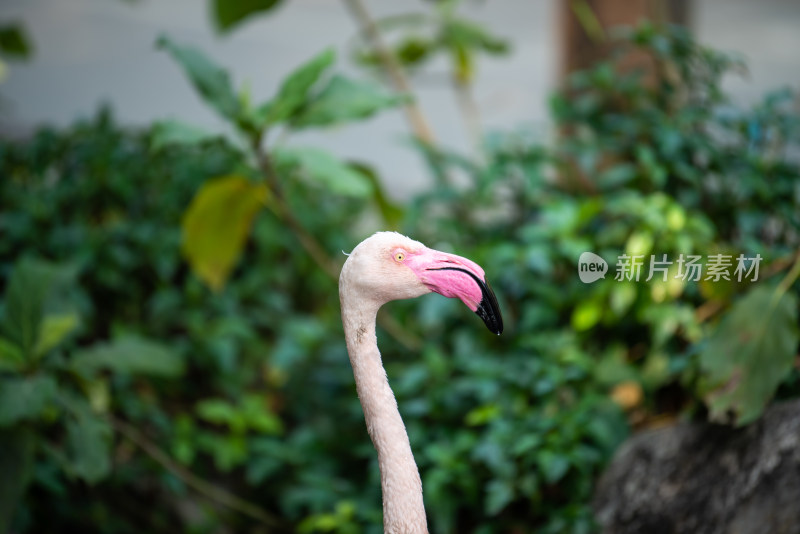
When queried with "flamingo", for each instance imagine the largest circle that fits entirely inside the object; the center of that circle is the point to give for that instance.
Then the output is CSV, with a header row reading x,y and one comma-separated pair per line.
x,y
384,267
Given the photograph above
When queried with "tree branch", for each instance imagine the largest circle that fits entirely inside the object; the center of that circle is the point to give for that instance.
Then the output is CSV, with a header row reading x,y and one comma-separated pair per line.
x,y
416,119
201,486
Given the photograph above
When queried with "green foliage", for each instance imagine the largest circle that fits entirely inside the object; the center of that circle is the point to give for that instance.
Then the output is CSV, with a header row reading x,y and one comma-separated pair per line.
x,y
421,37
129,355
16,468
680,140
14,41
343,99
48,399
230,13
232,365
294,91
681,135
26,398
29,332
218,221
741,380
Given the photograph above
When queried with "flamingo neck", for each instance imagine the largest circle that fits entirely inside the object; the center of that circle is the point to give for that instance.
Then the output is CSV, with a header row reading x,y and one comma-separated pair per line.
x,y
403,508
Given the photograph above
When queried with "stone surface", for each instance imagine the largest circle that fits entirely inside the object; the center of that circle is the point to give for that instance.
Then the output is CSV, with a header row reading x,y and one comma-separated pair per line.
x,y
699,478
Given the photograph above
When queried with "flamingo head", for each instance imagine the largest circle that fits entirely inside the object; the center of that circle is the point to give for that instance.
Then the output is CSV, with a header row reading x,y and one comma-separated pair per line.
x,y
389,266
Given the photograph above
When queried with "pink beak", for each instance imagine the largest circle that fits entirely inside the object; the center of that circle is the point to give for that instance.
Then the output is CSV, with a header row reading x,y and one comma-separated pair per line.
x,y
457,277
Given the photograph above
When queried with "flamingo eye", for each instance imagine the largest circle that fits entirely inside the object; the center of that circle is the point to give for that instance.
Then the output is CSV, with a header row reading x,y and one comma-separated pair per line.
x,y
399,256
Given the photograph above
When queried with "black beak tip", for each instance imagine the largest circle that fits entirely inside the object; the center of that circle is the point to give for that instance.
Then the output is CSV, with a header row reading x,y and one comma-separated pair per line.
x,y
492,319
489,310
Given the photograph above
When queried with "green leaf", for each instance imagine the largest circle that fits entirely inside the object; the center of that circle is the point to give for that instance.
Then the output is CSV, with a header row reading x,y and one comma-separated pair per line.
x,y
482,415
25,297
14,42
498,494
324,168
229,13
258,416
34,288
294,91
586,314
130,355
16,468
210,80
25,398
552,465
749,353
217,223
342,100
11,357
53,330
88,443
463,33
174,132
230,451
217,411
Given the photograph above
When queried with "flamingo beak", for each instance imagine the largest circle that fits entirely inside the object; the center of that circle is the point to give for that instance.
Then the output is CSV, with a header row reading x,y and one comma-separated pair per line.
x,y
457,277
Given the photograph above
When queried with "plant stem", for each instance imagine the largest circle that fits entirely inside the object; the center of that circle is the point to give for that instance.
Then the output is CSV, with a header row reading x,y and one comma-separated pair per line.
x,y
416,119
790,278
201,486
471,115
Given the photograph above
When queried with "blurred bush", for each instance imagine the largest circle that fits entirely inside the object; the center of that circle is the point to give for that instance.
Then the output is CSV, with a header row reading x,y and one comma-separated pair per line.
x,y
194,371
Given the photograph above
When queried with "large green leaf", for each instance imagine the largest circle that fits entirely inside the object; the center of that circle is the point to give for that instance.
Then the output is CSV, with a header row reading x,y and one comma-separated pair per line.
x,y
229,13
342,100
323,167
294,91
132,355
216,225
25,398
751,350
16,467
209,79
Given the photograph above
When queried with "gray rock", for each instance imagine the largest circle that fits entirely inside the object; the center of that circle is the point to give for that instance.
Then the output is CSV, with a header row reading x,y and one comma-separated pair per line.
x,y
700,478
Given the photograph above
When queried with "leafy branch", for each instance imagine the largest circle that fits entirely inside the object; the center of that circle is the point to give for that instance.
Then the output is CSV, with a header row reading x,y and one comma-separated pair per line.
x,y
425,35
218,221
